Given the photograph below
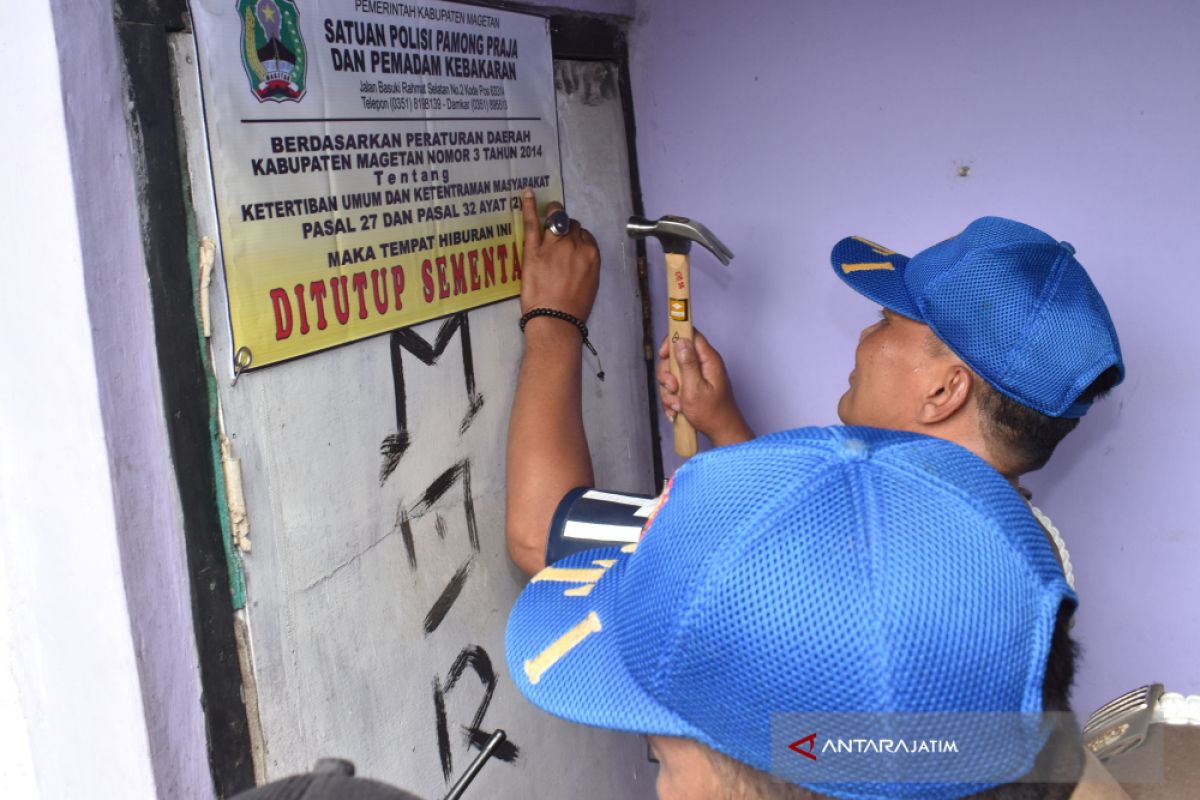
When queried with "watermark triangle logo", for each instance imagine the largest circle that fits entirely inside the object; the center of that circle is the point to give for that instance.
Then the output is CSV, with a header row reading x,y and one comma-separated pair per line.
x,y
805,746
273,49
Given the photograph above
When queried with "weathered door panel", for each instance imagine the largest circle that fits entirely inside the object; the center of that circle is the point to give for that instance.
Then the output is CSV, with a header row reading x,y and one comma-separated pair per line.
x,y
378,586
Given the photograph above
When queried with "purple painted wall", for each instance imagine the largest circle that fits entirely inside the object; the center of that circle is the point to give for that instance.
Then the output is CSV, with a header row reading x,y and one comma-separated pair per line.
x,y
145,502
101,692
785,126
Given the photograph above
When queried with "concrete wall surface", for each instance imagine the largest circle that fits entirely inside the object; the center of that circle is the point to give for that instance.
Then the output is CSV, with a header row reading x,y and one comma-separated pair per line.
x,y
786,126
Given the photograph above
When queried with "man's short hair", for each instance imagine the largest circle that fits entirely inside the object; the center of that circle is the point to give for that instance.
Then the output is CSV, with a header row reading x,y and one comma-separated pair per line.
x,y
1025,437
740,781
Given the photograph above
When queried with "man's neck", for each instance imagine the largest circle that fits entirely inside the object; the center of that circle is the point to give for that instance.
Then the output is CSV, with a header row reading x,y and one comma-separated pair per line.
x,y
968,435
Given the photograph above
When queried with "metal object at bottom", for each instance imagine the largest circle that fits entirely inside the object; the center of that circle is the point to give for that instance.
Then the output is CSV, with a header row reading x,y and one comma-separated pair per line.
x,y
1122,724
460,786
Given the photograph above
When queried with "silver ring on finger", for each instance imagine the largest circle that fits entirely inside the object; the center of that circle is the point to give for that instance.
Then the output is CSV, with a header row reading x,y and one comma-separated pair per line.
x,y
557,223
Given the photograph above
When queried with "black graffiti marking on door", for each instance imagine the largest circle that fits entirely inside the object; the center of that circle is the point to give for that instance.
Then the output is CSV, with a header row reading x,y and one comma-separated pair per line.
x,y
393,449
441,607
476,658
442,484
396,444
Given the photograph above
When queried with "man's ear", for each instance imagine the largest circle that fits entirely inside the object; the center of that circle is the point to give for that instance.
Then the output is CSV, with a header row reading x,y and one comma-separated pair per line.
x,y
948,395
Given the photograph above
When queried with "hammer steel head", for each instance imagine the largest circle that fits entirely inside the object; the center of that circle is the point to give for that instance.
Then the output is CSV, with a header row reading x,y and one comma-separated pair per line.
x,y
677,234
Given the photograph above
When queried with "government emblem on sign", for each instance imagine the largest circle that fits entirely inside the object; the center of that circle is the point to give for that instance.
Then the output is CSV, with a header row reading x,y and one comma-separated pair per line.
x,y
273,49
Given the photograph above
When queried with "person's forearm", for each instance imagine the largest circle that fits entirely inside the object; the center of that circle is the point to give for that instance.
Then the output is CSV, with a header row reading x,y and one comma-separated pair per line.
x,y
547,447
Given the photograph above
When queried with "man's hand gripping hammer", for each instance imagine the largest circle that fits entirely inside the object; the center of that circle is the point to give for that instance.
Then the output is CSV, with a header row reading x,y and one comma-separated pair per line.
x,y
676,235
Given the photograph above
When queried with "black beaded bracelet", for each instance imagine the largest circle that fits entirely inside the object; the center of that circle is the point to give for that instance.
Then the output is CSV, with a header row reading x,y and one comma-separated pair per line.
x,y
565,317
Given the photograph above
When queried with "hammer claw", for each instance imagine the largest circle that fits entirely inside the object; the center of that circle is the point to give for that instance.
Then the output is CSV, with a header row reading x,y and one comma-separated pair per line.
x,y
677,233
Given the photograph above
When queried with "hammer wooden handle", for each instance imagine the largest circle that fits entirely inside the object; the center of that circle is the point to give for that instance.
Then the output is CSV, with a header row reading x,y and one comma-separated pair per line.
x,y
679,324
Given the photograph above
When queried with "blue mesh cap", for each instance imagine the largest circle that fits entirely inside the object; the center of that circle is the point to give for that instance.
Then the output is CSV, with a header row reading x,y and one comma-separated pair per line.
x,y
1011,301
810,571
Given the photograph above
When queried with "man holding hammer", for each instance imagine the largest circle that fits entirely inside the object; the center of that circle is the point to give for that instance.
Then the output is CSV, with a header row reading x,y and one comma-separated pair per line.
x,y
995,339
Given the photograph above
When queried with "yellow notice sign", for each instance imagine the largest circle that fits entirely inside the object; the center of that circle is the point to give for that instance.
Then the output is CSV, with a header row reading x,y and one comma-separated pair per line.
x,y
368,159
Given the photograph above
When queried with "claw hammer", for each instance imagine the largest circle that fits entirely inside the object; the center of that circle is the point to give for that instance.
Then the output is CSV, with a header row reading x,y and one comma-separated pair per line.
x,y
676,235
